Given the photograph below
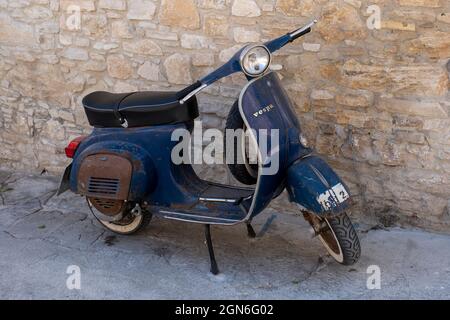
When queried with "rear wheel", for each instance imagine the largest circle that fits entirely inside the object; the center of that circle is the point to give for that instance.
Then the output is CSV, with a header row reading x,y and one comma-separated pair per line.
x,y
130,222
338,236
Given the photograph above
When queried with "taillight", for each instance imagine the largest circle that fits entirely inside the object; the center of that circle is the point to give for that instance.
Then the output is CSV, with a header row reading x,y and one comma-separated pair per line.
x,y
73,146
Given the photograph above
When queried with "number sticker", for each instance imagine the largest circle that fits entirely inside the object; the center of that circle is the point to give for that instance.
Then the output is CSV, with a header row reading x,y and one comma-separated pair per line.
x,y
332,197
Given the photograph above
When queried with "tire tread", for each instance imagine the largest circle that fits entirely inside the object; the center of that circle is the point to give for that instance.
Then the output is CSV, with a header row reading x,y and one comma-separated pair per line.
x,y
347,238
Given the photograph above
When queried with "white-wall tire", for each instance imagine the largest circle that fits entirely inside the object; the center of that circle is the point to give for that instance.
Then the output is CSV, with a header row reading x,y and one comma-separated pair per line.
x,y
339,237
128,225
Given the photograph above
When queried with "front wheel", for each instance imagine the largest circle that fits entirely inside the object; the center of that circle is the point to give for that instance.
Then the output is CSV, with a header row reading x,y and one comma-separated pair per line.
x,y
338,236
246,172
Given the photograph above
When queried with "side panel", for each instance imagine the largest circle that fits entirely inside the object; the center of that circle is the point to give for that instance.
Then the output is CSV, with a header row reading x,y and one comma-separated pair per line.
x,y
265,107
316,187
105,176
143,176
155,178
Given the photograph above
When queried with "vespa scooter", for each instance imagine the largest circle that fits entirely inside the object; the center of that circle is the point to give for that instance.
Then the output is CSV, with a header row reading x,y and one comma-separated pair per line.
x,y
125,171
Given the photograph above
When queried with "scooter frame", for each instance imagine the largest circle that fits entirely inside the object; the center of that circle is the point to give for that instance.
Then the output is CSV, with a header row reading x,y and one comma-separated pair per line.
x,y
180,194
176,192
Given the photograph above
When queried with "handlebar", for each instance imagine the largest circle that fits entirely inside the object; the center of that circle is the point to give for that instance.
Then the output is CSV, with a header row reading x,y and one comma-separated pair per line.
x,y
302,31
186,91
280,42
233,65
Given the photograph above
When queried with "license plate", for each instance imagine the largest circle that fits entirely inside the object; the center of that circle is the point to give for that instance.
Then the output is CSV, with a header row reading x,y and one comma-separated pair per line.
x,y
333,197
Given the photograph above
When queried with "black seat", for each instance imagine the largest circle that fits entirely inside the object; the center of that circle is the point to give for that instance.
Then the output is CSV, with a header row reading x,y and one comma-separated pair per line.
x,y
137,109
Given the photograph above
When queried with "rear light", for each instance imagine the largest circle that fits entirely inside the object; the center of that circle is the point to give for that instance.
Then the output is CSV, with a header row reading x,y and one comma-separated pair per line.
x,y
73,146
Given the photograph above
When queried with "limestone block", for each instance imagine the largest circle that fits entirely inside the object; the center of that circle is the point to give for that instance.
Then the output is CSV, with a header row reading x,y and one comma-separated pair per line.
x,y
179,13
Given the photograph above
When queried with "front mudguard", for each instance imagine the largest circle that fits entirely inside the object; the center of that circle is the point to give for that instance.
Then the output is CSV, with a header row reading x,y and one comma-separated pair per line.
x,y
313,185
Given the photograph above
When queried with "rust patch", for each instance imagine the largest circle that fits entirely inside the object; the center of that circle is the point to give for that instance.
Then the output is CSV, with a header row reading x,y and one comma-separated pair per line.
x,y
105,176
108,207
137,165
182,206
211,205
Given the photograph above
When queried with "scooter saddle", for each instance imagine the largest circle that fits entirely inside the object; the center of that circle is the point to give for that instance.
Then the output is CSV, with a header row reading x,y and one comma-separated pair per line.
x,y
137,109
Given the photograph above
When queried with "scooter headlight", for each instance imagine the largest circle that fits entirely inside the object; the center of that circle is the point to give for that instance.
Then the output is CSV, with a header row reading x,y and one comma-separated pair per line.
x,y
255,60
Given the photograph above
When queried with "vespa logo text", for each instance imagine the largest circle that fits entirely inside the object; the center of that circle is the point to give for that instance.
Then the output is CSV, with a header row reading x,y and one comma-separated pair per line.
x,y
263,110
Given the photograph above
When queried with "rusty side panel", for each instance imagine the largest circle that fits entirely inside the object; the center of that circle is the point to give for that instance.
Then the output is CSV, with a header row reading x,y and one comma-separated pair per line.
x,y
105,176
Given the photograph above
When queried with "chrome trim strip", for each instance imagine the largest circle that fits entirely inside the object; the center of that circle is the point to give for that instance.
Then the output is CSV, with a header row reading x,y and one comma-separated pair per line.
x,y
320,176
253,137
197,216
193,93
218,200
202,222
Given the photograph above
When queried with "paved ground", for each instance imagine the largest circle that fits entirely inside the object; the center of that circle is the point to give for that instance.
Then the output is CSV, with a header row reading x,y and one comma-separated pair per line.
x,y
41,235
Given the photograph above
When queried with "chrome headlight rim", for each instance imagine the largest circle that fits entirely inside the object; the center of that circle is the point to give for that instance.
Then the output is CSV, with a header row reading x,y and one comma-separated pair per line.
x,y
244,54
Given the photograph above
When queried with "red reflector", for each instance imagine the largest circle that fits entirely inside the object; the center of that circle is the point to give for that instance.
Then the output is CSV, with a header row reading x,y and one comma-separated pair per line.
x,y
73,146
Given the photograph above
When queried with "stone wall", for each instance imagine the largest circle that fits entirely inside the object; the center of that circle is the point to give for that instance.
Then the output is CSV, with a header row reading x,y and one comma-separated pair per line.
x,y
373,101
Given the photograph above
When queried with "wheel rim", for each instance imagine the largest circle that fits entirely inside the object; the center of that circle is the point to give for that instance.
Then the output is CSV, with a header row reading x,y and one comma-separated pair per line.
x,y
123,228
327,236
126,225
331,243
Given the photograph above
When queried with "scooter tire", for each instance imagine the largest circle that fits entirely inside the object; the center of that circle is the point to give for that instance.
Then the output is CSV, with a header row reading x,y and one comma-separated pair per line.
x,y
347,238
145,219
134,226
239,171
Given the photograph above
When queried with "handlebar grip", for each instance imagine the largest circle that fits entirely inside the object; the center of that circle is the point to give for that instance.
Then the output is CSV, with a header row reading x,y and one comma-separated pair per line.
x,y
302,31
295,36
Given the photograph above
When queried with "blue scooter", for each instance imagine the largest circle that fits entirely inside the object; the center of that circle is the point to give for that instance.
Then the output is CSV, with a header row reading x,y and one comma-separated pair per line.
x,y
125,170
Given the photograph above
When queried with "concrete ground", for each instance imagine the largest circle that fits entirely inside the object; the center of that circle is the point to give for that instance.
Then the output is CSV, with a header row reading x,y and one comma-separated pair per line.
x,y
42,235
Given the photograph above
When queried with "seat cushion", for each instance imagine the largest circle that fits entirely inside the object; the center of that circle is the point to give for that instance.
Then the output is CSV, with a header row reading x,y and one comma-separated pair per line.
x,y
139,109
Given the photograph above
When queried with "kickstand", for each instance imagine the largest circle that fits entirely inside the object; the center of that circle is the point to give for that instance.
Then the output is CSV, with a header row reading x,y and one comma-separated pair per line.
x,y
212,258
250,231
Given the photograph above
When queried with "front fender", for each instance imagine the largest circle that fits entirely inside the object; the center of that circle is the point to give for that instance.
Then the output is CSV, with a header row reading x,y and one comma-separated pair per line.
x,y
316,187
